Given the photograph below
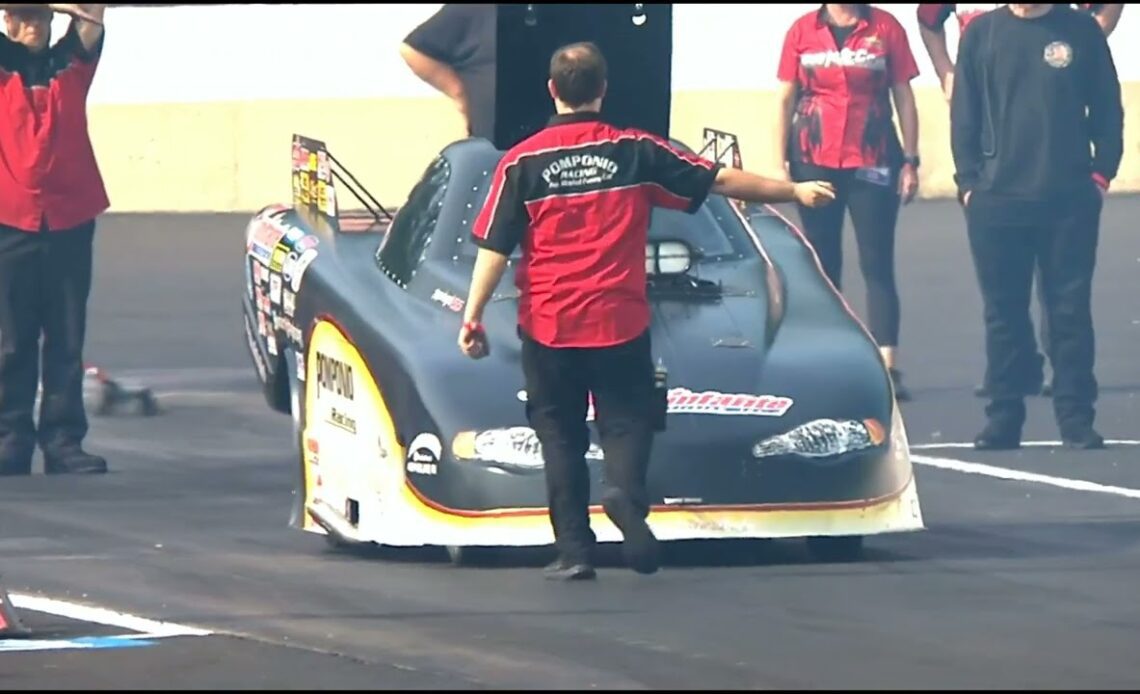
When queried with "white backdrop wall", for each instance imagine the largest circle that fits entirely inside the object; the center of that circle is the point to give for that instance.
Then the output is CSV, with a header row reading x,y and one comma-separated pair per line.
x,y
303,51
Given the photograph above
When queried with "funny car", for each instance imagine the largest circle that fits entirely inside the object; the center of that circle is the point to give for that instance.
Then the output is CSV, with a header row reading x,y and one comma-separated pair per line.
x,y
782,420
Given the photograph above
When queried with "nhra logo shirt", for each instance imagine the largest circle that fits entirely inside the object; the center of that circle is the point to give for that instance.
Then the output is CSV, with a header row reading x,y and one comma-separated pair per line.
x,y
577,197
843,114
933,15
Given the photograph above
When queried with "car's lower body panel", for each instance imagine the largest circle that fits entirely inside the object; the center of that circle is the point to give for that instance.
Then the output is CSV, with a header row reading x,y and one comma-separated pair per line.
x,y
359,480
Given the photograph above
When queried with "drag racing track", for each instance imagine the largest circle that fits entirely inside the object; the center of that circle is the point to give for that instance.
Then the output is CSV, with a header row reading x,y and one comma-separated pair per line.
x,y
1027,576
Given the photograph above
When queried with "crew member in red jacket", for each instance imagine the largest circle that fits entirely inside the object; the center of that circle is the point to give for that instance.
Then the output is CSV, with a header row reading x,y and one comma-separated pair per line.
x,y
583,315
52,193
840,69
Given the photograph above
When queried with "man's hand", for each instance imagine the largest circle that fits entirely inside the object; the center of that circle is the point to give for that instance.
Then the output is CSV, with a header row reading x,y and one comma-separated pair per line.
x,y
908,183
814,193
948,85
473,341
79,11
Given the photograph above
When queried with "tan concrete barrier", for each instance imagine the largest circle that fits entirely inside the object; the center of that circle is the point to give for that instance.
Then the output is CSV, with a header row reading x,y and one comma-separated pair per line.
x,y
234,156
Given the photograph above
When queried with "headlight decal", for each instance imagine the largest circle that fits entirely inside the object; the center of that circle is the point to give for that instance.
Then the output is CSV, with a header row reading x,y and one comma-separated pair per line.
x,y
823,438
511,446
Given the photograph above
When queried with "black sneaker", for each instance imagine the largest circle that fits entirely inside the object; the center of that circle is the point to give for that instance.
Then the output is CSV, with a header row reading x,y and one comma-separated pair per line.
x,y
562,570
640,545
996,438
1082,438
15,467
74,462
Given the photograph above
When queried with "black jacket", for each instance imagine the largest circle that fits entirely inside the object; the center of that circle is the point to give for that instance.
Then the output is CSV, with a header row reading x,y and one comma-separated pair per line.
x,y
1037,111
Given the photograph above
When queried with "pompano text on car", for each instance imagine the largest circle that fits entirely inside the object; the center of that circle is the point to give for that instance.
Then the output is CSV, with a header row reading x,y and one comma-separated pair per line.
x,y
334,376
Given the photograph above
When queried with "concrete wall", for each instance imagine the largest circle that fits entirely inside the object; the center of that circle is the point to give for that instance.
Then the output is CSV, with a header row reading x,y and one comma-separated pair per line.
x,y
193,107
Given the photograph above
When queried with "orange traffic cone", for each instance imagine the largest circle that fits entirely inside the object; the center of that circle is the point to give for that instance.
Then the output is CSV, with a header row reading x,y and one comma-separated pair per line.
x,y
10,624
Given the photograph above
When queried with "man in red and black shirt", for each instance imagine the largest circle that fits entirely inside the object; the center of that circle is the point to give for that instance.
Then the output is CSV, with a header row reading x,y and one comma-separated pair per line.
x,y
577,197
52,192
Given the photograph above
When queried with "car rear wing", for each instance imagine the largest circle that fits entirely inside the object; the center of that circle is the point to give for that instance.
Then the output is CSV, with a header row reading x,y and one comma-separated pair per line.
x,y
720,144
315,174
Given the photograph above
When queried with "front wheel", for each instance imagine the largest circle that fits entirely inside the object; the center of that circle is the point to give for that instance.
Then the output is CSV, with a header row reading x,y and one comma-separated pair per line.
x,y
836,548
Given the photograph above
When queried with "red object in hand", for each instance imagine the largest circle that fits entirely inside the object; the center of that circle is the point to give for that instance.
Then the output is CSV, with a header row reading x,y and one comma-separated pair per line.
x,y
1100,181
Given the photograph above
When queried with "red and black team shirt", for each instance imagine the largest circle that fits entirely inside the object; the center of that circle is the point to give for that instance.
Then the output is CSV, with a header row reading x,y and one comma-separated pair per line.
x,y
577,197
843,114
933,15
48,173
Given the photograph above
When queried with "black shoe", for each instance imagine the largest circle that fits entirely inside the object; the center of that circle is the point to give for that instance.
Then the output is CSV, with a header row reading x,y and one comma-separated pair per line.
x,y
73,462
16,467
1083,438
1047,389
562,570
901,393
640,545
995,438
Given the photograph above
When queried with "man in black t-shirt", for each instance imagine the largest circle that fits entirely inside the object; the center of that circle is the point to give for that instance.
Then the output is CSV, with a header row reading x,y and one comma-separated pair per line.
x,y
454,52
1037,133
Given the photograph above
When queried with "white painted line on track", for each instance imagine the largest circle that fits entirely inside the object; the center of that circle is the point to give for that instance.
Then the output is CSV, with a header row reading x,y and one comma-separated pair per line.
x,y
146,628
1022,476
1024,444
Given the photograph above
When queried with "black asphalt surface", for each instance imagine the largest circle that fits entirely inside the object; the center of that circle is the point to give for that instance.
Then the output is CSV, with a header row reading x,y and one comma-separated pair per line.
x,y
1014,585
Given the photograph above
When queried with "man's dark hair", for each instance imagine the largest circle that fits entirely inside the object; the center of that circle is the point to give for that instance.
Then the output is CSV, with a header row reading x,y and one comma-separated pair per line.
x,y
579,73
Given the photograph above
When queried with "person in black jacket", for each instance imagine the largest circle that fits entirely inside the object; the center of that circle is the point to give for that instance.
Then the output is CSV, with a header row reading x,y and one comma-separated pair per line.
x,y
1037,125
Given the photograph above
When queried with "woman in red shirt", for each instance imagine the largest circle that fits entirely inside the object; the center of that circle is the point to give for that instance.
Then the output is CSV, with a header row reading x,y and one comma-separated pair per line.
x,y
840,67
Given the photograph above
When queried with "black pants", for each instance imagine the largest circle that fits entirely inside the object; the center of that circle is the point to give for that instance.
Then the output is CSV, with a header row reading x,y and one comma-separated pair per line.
x,y
45,279
1043,318
1060,238
874,207
558,384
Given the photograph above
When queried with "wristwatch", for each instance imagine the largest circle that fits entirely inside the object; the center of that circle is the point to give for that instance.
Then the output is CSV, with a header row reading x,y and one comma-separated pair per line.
x,y
913,161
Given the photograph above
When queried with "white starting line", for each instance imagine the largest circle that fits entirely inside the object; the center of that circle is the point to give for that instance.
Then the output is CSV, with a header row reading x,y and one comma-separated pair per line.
x,y
970,468
145,630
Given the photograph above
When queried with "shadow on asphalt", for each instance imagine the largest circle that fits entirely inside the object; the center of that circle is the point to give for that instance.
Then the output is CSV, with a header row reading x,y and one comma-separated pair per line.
x,y
938,543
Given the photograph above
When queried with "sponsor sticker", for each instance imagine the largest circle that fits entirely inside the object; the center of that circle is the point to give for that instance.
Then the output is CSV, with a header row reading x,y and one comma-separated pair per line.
x,y
449,301
424,453
288,302
277,261
264,234
293,233
260,253
712,402
275,289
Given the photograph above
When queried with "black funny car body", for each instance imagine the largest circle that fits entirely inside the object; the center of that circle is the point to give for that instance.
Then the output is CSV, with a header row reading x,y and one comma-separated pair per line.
x,y
782,420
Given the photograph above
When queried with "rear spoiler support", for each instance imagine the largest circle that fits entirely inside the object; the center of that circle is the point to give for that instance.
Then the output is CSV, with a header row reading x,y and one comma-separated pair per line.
x,y
720,145
314,171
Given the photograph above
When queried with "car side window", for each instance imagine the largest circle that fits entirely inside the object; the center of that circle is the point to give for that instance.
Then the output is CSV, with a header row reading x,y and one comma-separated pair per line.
x,y
407,239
